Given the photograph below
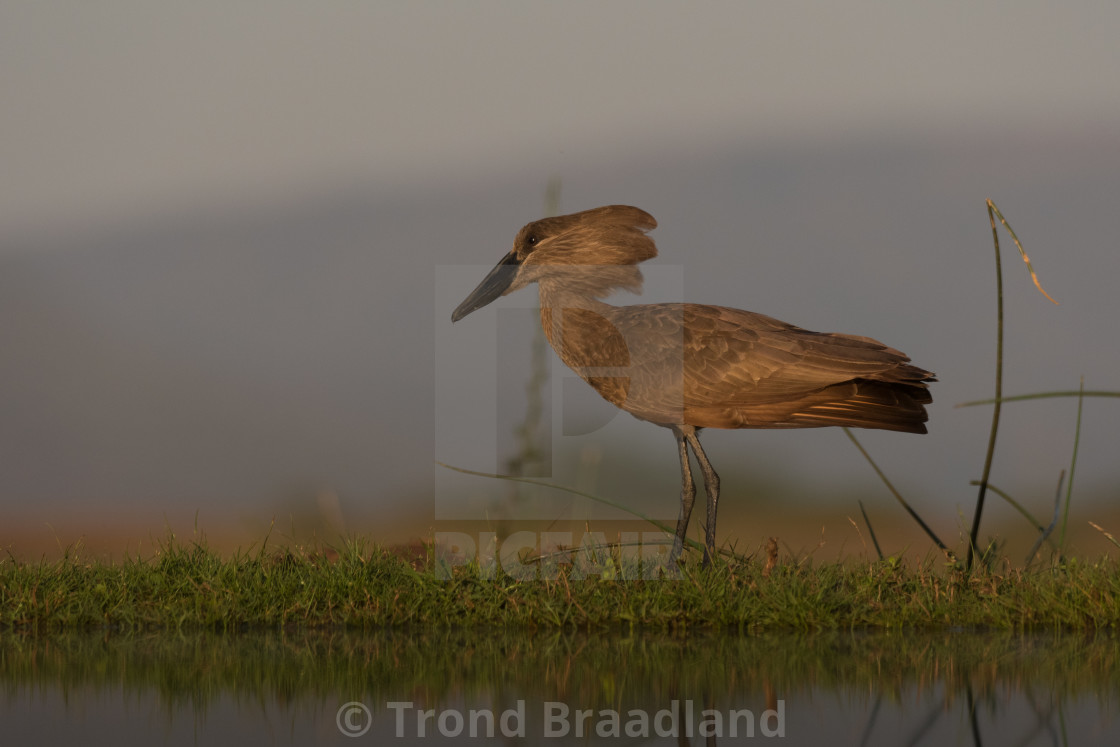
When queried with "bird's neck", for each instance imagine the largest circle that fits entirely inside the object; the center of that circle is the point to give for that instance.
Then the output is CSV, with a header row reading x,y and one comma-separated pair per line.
x,y
582,330
565,300
571,295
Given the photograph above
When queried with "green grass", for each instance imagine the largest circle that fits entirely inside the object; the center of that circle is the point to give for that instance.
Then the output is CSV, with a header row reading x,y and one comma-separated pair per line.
x,y
190,587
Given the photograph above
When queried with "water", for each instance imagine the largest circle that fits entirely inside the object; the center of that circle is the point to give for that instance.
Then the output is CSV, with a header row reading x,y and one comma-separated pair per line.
x,y
393,686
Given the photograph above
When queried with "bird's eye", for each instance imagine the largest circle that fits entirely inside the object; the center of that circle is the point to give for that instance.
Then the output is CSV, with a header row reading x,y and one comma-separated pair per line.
x,y
532,240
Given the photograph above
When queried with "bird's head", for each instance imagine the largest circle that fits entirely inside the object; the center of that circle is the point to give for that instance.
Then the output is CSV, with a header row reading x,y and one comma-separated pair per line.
x,y
587,254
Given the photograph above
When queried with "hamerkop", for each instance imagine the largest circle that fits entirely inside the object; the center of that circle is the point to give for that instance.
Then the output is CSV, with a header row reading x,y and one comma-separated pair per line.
x,y
686,366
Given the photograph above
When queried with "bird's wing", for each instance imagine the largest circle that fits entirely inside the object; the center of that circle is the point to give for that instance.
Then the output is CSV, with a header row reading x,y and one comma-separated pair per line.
x,y
730,368
734,355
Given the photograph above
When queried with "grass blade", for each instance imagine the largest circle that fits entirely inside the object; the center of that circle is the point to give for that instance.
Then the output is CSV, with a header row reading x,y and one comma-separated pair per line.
x,y
1072,466
993,212
870,530
563,488
975,531
606,502
1038,395
1053,522
1030,268
898,496
1107,535
1015,504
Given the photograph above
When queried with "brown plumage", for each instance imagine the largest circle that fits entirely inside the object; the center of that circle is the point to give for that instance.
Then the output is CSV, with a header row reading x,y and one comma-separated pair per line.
x,y
688,366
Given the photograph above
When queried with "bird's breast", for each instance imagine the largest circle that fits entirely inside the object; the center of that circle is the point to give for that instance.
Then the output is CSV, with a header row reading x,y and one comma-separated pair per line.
x,y
633,368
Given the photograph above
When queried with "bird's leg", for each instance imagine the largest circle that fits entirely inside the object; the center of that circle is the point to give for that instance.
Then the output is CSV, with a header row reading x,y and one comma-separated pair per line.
x,y
688,496
711,487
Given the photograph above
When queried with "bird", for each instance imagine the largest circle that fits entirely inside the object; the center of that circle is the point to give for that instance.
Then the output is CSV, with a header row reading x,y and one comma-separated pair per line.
x,y
687,366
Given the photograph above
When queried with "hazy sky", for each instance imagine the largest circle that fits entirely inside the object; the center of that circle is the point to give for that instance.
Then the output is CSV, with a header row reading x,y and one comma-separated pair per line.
x,y
115,109
226,231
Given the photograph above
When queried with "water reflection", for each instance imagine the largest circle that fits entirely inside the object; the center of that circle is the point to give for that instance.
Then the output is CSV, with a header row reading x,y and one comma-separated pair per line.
x,y
549,688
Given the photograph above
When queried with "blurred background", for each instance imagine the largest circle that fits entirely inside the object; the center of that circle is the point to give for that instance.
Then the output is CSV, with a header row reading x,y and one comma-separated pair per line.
x,y
231,237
